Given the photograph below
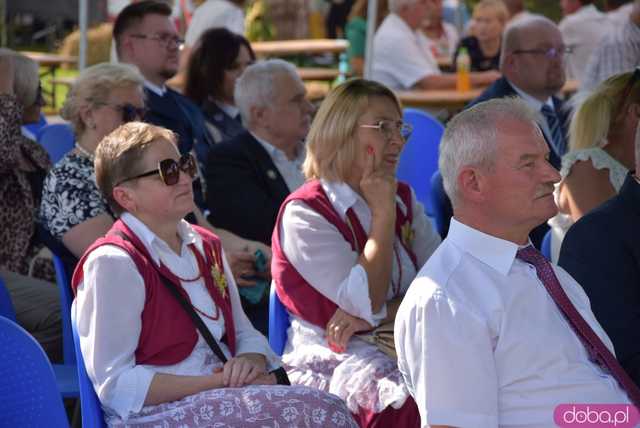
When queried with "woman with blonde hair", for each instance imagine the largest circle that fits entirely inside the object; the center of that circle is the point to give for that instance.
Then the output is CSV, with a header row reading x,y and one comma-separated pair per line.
x,y
601,151
351,240
161,327
483,46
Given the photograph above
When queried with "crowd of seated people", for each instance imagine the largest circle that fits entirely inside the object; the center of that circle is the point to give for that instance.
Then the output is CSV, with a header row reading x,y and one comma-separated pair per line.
x,y
183,209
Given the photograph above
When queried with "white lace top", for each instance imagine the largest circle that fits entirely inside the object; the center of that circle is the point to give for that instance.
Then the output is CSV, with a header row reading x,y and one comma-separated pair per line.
x,y
600,159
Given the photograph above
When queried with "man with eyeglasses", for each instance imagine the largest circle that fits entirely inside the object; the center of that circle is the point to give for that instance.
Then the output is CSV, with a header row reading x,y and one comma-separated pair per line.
x,y
147,38
532,66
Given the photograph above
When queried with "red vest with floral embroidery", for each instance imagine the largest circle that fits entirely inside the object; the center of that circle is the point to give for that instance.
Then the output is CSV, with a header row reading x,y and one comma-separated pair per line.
x,y
295,293
168,334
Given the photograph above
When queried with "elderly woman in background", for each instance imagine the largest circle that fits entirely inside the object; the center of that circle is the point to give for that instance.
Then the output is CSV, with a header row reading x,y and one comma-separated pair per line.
x,y
351,240
483,47
23,165
217,61
601,151
73,210
138,289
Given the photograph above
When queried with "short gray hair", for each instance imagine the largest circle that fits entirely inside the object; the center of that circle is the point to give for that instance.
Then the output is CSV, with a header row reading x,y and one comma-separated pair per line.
x,y
396,5
511,38
470,137
93,87
256,86
26,77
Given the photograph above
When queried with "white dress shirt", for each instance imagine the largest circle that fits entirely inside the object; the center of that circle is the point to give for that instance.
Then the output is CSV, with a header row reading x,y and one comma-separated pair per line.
x,y
582,31
108,309
291,170
158,90
319,252
401,56
482,344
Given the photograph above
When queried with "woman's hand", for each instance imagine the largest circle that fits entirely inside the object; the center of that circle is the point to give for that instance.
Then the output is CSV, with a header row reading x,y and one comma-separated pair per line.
x,y
7,71
242,266
378,188
243,369
341,327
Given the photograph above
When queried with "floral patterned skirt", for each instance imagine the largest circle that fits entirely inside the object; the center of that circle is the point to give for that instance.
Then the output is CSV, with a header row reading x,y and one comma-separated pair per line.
x,y
250,406
364,377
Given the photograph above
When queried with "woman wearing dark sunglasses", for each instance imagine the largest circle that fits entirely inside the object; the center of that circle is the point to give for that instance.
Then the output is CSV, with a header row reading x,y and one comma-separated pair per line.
x,y
351,240
138,289
103,97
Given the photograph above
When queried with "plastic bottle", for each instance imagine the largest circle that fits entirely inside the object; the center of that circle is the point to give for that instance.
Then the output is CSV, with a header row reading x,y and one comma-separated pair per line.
x,y
343,69
463,66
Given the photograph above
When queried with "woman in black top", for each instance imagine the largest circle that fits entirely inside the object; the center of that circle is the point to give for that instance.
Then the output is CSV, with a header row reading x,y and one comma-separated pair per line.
x,y
483,46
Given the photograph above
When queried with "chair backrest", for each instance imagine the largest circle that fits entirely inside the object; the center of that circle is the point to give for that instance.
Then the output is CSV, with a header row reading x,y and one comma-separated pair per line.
x,y
545,247
66,298
57,139
6,305
29,395
442,210
278,323
419,158
92,415
32,130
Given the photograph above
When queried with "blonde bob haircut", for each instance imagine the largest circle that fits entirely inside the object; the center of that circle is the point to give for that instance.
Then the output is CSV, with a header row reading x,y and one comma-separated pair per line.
x,y
601,111
92,89
331,143
119,155
496,7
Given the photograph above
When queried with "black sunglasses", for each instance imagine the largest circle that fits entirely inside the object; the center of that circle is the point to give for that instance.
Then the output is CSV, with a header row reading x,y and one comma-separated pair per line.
x,y
129,112
169,170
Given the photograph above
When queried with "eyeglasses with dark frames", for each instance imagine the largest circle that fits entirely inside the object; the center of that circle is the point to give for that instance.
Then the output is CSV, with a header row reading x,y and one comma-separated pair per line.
x,y
389,128
550,53
169,170
129,112
166,40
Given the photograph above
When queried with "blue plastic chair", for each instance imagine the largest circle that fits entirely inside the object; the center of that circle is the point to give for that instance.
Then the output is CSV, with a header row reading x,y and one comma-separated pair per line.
x,y
442,210
28,393
66,298
32,130
57,139
92,415
420,156
278,323
6,305
545,247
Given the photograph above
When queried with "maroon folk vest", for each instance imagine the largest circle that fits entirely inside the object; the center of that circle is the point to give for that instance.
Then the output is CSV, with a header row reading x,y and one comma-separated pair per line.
x,y
298,296
168,334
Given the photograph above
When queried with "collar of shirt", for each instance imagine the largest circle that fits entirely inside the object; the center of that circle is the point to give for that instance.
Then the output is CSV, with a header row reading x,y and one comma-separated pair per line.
x,y
158,90
278,155
587,11
492,251
231,111
343,197
153,243
533,102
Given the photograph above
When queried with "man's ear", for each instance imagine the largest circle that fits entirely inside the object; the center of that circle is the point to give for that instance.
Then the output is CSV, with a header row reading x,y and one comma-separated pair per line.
x,y
470,184
125,197
258,116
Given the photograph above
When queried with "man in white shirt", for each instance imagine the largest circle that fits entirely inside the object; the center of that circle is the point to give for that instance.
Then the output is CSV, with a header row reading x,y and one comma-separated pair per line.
x,y
480,340
402,57
582,28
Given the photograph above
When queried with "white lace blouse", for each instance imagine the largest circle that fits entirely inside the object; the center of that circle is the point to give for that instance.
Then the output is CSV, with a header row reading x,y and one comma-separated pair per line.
x,y
600,159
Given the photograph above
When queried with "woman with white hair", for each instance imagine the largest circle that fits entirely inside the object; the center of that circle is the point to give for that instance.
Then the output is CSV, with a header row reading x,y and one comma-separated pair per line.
x,y
351,240
104,97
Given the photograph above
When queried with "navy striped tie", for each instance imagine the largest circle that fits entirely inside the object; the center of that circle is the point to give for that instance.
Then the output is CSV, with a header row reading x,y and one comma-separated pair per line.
x,y
557,133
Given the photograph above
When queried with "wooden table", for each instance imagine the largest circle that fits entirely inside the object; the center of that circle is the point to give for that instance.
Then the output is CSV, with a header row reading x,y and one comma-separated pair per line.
x,y
299,47
318,73
453,100
50,62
